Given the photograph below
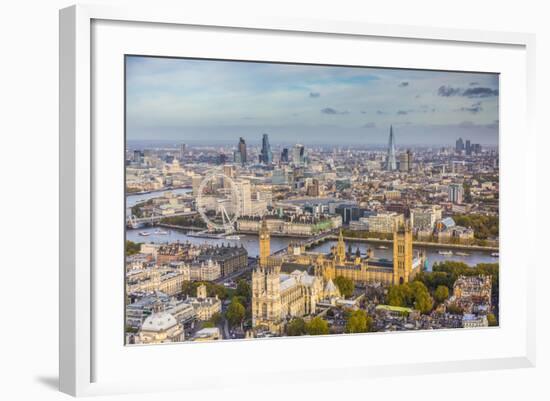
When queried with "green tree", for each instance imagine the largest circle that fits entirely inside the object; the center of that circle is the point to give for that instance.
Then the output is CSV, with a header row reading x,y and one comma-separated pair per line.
x,y
243,289
188,289
345,286
492,320
235,312
423,302
414,295
216,318
483,226
358,322
317,326
132,248
454,309
441,293
296,327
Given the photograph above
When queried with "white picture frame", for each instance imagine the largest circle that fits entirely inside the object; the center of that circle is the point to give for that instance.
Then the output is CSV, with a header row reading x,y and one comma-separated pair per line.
x,y
80,344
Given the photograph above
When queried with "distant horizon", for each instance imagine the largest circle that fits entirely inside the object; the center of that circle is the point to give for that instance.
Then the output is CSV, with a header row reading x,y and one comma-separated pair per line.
x,y
177,99
257,142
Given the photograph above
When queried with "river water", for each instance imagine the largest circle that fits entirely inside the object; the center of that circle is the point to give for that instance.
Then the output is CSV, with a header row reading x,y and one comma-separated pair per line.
x,y
132,200
250,242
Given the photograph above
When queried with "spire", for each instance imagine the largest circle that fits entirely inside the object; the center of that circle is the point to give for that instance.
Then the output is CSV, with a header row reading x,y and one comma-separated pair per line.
x,y
341,248
264,243
391,162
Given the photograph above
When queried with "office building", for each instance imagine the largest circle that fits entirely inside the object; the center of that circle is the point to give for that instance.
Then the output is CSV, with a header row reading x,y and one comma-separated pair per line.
x,y
391,162
459,145
456,193
298,155
284,156
239,156
266,156
468,147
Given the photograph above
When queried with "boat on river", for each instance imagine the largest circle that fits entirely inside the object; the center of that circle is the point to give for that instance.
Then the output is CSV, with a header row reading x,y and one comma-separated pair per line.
x,y
494,254
462,254
446,253
144,233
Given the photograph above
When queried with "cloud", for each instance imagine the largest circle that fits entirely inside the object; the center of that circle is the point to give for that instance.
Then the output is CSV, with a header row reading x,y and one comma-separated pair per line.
x,y
331,111
370,125
447,91
474,108
363,112
380,112
466,124
474,83
314,94
475,92
402,112
480,92
403,84
471,125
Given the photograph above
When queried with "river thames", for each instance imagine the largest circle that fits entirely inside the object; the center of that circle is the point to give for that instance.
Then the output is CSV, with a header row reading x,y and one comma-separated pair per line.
x,y
250,242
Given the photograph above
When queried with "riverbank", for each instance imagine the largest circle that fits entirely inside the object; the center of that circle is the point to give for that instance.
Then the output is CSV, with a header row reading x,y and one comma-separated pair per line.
x,y
158,190
278,243
182,228
422,244
352,239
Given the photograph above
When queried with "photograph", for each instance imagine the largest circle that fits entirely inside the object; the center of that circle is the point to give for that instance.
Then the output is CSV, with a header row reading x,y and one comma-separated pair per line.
x,y
272,199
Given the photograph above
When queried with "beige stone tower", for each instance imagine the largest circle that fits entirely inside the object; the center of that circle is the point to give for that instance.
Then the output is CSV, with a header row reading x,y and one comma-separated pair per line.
x,y
201,291
340,249
402,253
265,239
266,292
266,298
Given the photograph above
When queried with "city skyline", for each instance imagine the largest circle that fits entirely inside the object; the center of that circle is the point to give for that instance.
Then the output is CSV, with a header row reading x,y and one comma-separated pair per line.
x,y
273,200
168,100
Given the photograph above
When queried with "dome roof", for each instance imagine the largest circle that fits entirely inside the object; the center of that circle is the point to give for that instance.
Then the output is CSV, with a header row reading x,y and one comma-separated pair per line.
x,y
159,321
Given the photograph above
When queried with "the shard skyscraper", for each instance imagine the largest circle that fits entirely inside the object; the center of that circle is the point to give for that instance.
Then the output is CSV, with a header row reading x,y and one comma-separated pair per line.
x,y
391,162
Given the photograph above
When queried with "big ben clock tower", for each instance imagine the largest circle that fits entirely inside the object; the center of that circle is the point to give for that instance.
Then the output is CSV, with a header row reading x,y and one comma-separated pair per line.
x,y
264,243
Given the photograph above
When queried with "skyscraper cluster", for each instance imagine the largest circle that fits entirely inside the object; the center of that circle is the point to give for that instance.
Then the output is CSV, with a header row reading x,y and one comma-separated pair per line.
x,y
468,148
405,158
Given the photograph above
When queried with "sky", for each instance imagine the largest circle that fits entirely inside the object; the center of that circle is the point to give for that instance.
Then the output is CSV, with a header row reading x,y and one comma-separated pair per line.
x,y
210,101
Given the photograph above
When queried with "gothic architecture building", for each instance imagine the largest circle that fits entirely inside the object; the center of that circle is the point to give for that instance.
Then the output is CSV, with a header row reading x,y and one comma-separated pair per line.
x,y
278,295
368,269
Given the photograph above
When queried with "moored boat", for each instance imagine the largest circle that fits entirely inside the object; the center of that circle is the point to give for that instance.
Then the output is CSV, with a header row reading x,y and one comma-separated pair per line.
x,y
446,253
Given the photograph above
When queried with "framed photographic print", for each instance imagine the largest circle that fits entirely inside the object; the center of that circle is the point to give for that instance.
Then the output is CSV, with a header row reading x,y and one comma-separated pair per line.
x,y
306,199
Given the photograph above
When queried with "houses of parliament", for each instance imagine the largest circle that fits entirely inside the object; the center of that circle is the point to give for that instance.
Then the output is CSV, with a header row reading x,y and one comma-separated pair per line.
x,y
291,285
